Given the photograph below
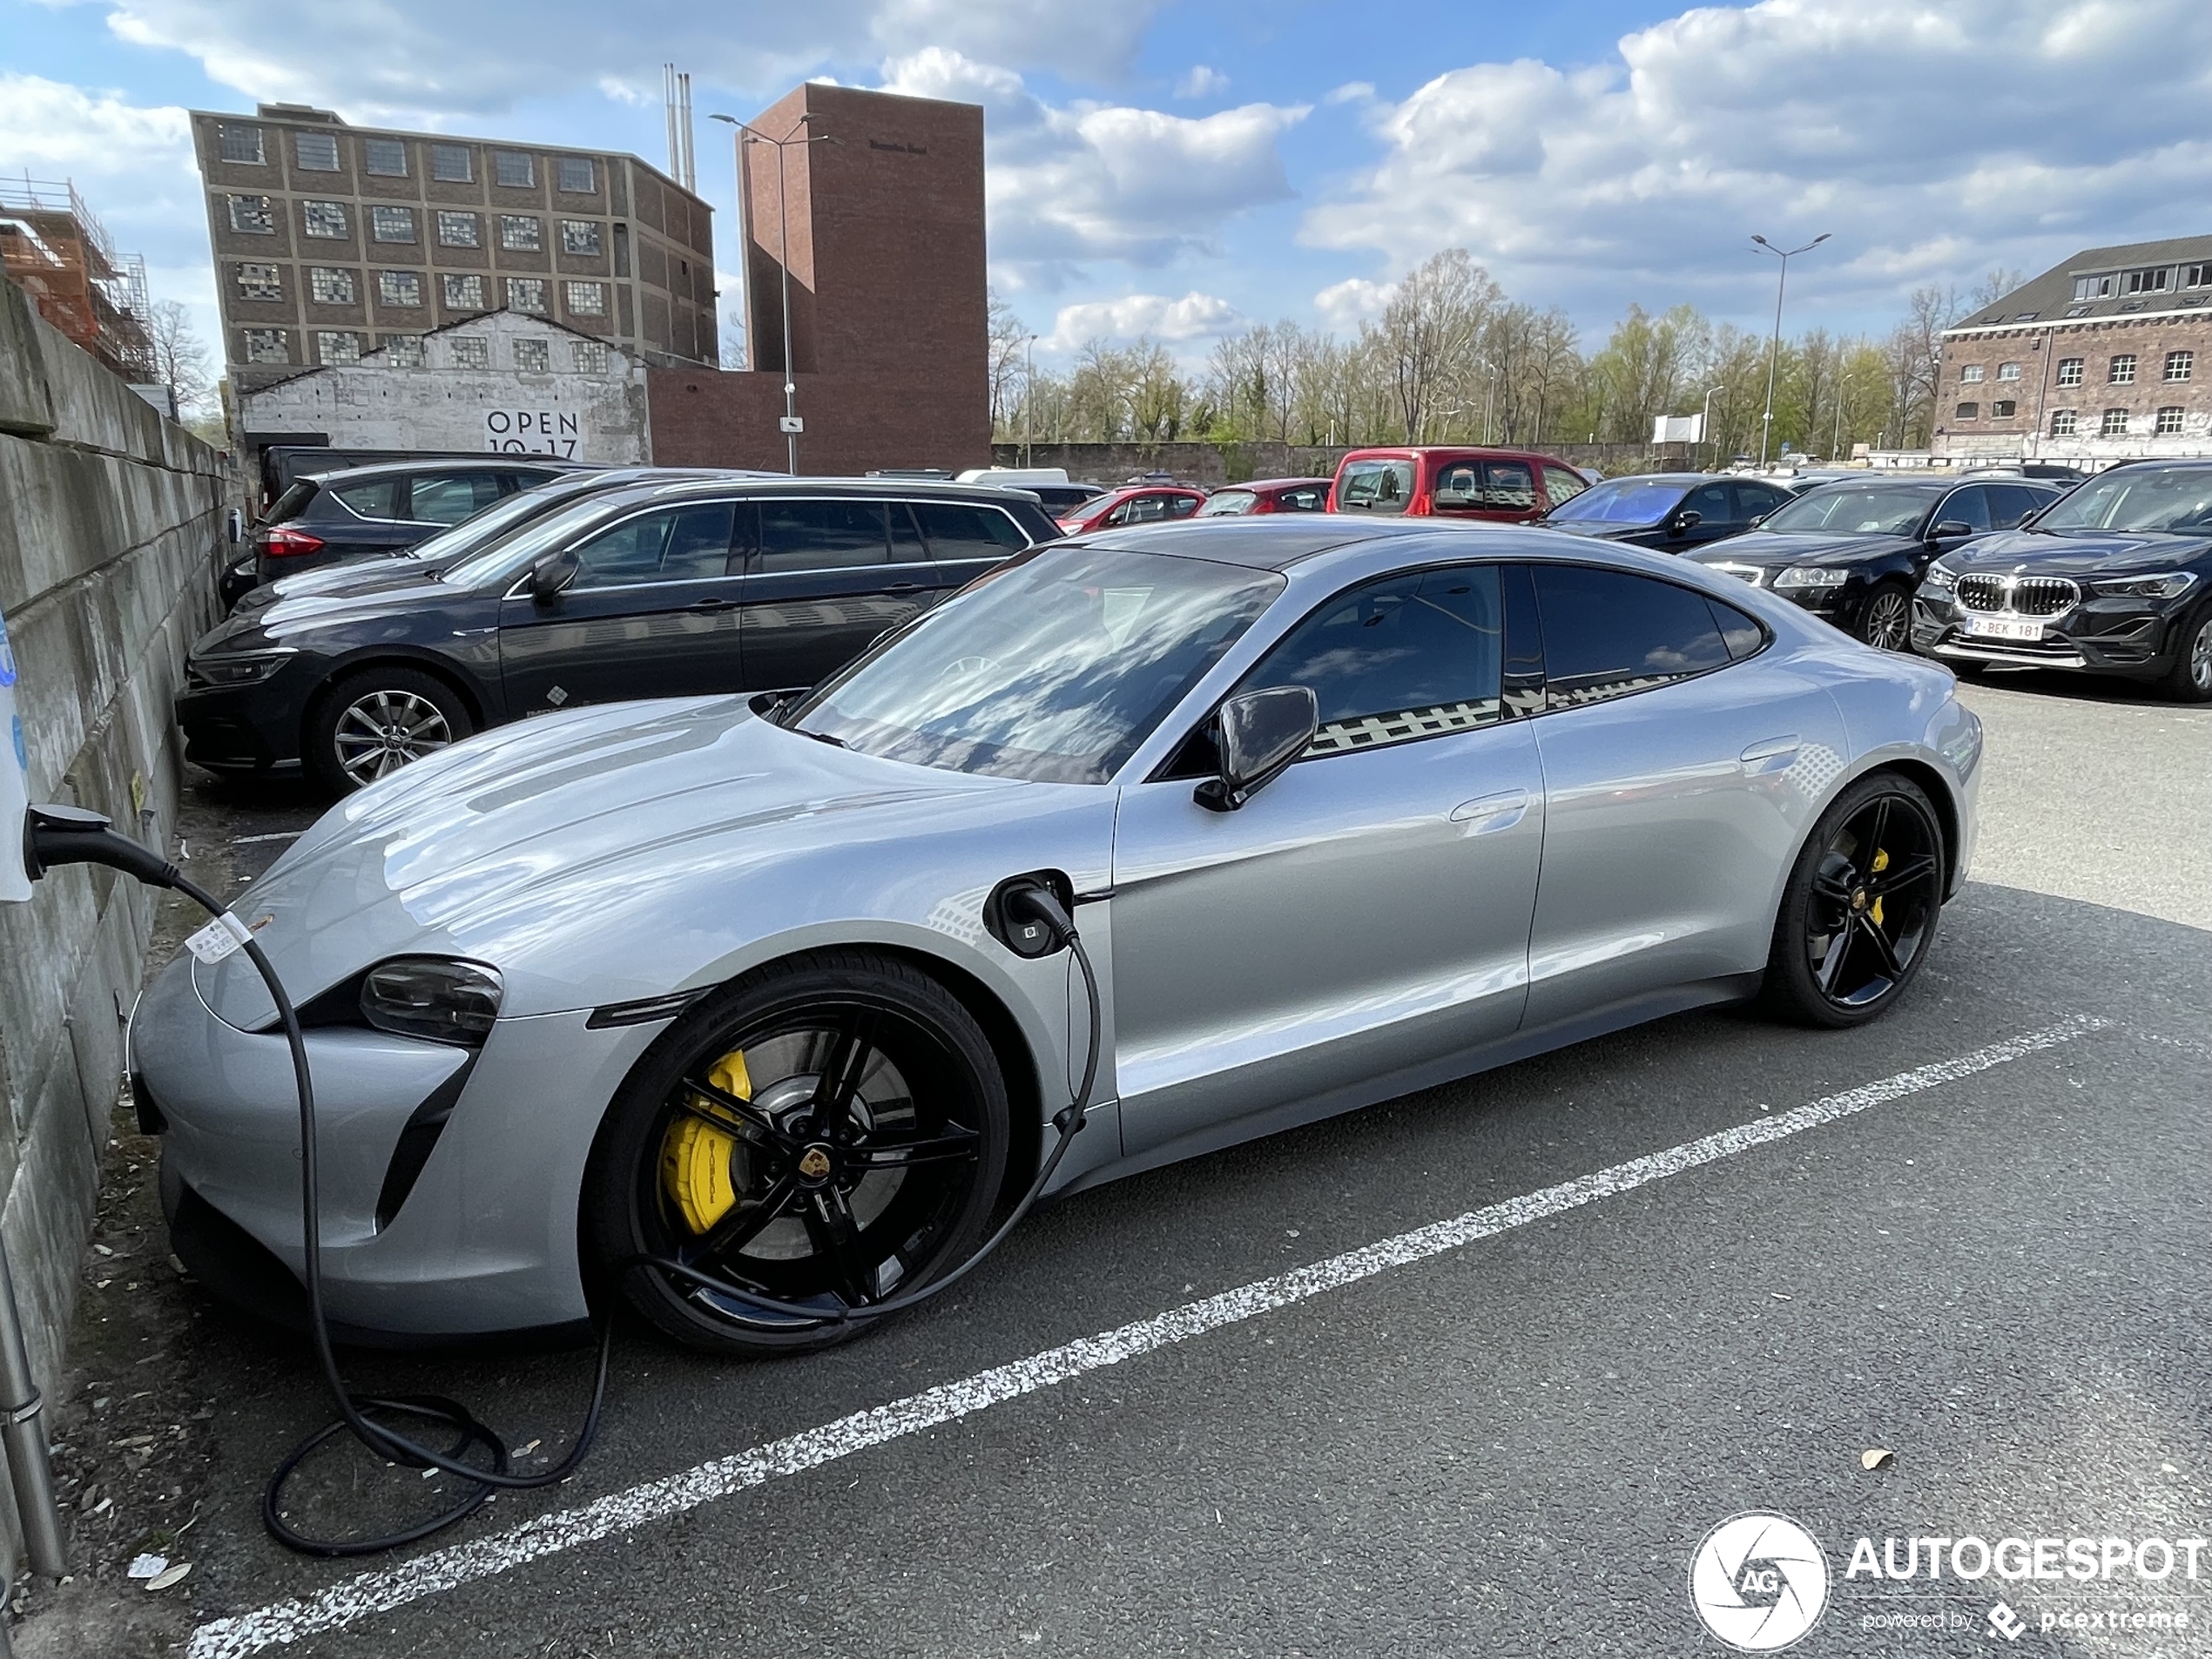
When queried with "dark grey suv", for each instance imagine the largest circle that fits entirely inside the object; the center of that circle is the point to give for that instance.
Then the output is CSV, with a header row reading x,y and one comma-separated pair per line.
x,y
659,590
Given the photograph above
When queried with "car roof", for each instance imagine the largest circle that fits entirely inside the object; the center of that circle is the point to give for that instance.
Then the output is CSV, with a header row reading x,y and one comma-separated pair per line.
x,y
451,463
1682,478
1266,542
769,484
1279,484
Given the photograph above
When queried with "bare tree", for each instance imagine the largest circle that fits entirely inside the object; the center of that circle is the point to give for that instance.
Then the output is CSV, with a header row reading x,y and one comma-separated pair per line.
x,y
1010,341
180,358
1429,334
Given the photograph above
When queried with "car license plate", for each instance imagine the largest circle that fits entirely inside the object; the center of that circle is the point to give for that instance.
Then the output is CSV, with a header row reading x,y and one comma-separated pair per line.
x,y
2002,627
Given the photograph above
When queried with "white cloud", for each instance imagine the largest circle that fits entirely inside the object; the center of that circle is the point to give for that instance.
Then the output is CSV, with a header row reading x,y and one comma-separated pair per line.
x,y
1344,305
1091,181
1934,142
1350,92
1201,81
1195,315
415,59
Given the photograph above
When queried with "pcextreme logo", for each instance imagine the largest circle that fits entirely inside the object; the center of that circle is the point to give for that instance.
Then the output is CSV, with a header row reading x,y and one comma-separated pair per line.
x,y
1759,1582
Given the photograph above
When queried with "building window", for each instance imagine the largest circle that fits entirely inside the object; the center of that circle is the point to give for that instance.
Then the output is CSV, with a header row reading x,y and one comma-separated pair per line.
x,y
252,215
465,293
578,176
2008,371
323,219
392,224
579,236
1970,411
471,354
399,287
520,232
384,158
239,141
338,346
591,356
2062,423
513,169
526,293
532,356
2092,287
2169,421
2069,371
260,282
588,298
450,164
1972,371
457,230
2115,424
2149,281
2123,372
316,152
2196,276
329,285
2179,364
2003,409
403,351
266,345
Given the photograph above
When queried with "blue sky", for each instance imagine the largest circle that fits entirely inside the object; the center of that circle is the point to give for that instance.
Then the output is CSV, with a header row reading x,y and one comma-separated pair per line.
x,y
1185,166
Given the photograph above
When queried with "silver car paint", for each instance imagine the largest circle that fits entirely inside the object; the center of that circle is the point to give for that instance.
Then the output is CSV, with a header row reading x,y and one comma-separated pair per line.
x,y
623,852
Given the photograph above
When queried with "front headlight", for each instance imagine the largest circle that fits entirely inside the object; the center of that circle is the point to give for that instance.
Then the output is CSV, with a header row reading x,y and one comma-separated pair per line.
x,y
1940,578
241,668
2167,584
1812,576
433,997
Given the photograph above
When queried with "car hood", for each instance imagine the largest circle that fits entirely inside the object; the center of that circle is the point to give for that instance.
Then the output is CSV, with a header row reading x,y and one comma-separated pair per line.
x,y
1598,529
372,574
1774,549
2080,553
296,617
531,847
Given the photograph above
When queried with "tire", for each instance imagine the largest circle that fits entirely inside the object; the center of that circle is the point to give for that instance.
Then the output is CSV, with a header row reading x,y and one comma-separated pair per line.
x,y
1885,620
805,1213
2189,680
1881,909
371,723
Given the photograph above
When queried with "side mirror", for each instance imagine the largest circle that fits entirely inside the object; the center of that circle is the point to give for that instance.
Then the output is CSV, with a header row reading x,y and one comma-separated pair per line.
x,y
1760,520
1258,734
1951,527
1685,522
552,575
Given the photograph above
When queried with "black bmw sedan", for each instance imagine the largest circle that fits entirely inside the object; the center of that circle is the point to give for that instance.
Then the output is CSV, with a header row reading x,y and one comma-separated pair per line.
x,y
658,589
1671,511
2115,579
1853,553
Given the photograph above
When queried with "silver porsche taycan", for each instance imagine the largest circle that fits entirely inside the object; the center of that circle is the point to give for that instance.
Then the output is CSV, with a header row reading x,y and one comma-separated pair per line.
x,y
1342,809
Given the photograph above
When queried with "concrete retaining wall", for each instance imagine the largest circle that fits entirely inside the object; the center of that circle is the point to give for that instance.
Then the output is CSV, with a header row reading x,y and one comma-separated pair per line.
x,y
112,525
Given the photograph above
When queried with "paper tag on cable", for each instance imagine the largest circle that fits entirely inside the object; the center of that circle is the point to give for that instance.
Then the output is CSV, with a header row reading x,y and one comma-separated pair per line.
x,y
220,938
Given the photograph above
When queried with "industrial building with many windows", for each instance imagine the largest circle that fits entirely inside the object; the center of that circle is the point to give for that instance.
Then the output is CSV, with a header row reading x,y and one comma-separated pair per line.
x,y
2104,358
333,241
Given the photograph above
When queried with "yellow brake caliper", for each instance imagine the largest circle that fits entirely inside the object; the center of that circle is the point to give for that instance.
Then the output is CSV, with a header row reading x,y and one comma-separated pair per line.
x,y
1881,863
695,1156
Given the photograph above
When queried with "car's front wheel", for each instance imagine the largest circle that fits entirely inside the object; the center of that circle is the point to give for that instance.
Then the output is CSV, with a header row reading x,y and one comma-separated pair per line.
x,y
1886,623
1860,911
2189,680
373,722
827,1133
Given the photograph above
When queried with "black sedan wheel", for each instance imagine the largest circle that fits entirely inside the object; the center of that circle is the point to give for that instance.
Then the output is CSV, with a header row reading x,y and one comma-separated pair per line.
x,y
827,1134
1886,624
373,723
1860,911
2190,679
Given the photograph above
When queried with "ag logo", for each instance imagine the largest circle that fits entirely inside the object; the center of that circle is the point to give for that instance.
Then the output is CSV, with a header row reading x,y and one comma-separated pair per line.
x,y
1759,1582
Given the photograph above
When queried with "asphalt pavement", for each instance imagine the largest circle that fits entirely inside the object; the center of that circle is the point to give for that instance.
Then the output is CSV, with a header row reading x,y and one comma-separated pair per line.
x,y
1471,1373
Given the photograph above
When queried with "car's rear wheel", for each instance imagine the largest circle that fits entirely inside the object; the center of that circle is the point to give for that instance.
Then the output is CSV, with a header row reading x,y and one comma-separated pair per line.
x,y
373,722
1861,909
829,1133
1886,622
2189,680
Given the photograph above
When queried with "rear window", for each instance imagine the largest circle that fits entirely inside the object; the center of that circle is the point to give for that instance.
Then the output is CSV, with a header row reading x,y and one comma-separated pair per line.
x,y
294,502
1374,486
957,531
1227,503
375,497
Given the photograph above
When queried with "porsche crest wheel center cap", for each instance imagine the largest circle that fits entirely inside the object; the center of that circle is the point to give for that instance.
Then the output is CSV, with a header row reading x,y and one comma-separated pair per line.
x,y
814,1164
1858,898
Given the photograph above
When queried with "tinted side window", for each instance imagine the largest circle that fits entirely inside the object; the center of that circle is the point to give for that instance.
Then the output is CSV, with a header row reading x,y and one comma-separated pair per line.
x,y
1309,498
906,545
1711,504
1509,486
1756,501
677,544
821,535
2009,503
1743,636
1183,506
1408,657
375,497
448,498
1968,506
1608,633
959,531
1562,485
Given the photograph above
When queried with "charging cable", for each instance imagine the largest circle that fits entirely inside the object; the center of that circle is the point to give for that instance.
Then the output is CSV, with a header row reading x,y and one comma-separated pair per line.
x,y
56,836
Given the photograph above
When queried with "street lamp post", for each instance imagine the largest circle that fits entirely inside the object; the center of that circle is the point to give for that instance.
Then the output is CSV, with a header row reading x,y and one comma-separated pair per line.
x,y
1705,426
1029,395
1774,347
783,264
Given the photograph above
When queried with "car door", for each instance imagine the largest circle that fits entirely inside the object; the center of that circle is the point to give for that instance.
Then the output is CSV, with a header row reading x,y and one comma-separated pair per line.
x,y
1509,492
967,538
821,583
1715,505
1365,914
652,612
1683,763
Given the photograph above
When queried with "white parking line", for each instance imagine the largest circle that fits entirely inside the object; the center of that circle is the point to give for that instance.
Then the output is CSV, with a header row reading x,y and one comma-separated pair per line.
x,y
281,835
450,1569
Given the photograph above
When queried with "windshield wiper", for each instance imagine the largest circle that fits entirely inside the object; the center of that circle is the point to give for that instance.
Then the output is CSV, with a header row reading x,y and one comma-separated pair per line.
x,y
824,737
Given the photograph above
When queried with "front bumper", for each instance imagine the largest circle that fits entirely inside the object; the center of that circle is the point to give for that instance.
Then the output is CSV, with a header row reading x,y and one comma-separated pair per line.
x,y
484,1239
233,727
2129,636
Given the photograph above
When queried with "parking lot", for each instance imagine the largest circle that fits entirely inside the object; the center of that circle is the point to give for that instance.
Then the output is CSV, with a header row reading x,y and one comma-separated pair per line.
x,y
1261,1403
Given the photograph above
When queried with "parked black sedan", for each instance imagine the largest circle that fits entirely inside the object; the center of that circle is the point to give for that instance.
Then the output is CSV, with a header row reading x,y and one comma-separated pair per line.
x,y
658,589
1672,511
1854,552
2115,579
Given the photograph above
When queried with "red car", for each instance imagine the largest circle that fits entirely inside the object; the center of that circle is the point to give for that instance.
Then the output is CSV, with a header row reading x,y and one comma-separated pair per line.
x,y
1497,486
1135,504
1268,496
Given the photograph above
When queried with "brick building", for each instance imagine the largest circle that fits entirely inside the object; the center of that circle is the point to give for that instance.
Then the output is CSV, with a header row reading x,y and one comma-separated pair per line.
x,y
334,241
2104,358
889,312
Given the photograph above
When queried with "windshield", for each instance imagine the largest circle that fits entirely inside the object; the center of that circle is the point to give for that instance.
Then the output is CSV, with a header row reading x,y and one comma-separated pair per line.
x,y
1621,501
480,527
1053,667
511,554
1227,503
2131,498
1092,506
1871,509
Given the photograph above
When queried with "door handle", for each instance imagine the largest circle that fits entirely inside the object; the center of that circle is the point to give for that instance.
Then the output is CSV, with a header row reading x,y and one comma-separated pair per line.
x,y
1489,812
904,587
713,604
1770,754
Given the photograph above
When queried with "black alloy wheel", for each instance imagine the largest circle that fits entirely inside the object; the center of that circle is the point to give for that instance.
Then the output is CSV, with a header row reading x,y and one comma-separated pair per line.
x,y
1886,623
1861,910
371,723
831,1133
